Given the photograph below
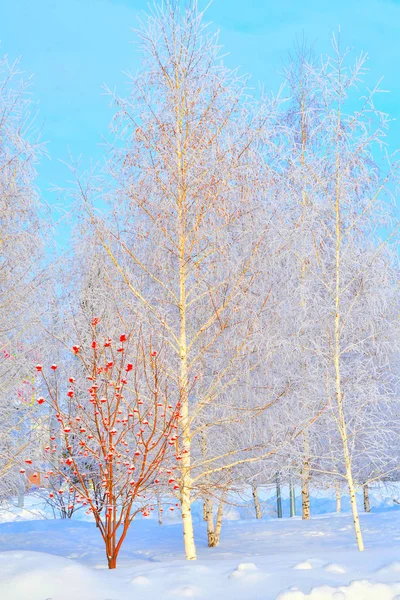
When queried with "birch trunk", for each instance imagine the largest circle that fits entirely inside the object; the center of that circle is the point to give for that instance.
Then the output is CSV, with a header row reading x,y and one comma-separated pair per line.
x,y
343,435
305,480
256,499
219,520
305,498
367,505
342,421
337,357
213,540
21,498
188,534
208,504
186,479
292,494
159,510
278,498
338,498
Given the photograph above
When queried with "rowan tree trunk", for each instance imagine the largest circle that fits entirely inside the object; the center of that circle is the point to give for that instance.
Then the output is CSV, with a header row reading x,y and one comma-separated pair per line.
x,y
110,546
256,499
367,505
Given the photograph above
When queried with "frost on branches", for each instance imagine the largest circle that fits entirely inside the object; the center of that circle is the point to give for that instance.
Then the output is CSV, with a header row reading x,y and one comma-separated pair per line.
x,y
21,248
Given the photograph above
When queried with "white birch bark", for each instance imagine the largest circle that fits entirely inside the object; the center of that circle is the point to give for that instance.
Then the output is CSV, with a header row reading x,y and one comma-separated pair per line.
x,y
338,498
257,504
337,355
367,504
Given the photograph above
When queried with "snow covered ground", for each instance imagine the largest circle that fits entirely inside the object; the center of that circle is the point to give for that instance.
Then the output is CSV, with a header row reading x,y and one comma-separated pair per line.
x,y
286,559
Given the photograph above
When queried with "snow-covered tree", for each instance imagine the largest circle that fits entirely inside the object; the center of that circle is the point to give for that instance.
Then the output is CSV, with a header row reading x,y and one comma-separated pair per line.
x,y
346,264
182,234
21,250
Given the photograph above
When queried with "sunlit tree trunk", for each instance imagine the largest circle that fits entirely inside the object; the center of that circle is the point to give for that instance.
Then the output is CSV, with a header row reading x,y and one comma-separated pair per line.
x,y
208,503
338,498
257,504
186,480
278,498
214,534
218,525
21,497
367,504
205,509
292,494
159,510
337,347
305,479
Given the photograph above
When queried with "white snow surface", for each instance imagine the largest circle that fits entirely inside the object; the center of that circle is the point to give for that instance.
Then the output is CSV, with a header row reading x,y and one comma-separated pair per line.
x,y
286,559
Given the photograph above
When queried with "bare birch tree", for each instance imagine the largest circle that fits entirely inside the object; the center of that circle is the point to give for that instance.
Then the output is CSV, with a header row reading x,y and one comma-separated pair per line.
x,y
183,235
21,250
349,195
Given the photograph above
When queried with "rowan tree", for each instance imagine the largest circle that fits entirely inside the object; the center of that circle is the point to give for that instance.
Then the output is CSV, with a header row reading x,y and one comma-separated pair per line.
x,y
113,443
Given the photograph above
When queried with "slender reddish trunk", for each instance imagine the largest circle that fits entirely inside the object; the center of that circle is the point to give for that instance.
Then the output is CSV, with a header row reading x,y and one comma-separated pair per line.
x,y
111,553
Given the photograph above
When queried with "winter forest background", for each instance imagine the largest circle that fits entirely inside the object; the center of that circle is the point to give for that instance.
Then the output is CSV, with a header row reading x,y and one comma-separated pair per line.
x,y
210,314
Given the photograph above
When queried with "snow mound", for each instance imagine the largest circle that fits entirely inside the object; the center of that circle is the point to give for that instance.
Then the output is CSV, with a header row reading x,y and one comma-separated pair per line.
x,y
247,567
335,568
303,566
15,514
37,576
140,580
247,572
357,590
393,567
184,592
231,514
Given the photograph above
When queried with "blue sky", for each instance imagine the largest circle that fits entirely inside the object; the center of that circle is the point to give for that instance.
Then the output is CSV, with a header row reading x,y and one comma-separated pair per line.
x,y
74,46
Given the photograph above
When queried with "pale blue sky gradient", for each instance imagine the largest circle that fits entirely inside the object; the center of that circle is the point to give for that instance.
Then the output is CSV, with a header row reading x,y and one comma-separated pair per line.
x,y
74,46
